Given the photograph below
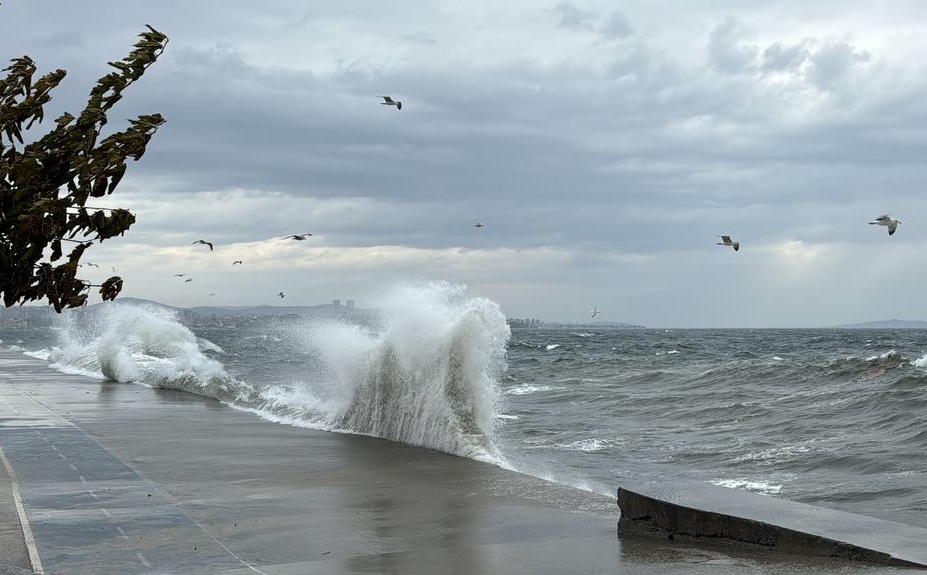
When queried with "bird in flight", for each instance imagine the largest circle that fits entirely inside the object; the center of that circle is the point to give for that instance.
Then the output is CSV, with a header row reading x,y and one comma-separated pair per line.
x,y
203,242
281,295
236,262
179,275
886,220
387,101
297,237
478,225
726,241
212,294
91,265
594,311
188,280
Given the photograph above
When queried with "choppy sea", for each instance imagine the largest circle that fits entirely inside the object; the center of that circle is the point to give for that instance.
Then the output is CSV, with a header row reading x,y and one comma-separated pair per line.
x,y
836,418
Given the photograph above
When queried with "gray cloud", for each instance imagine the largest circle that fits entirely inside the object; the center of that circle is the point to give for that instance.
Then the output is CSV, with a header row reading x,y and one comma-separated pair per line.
x,y
572,17
603,170
832,62
726,52
617,26
779,57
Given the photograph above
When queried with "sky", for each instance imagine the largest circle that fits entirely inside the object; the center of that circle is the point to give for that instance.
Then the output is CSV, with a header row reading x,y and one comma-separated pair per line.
x,y
603,145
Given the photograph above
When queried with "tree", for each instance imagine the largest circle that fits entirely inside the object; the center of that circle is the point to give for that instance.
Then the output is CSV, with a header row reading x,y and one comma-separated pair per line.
x,y
45,183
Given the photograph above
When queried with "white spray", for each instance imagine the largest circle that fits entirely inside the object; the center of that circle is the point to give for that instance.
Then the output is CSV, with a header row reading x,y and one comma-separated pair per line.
x,y
429,376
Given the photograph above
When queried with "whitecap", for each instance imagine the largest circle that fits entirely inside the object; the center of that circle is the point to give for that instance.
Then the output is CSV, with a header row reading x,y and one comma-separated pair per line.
x,y
590,445
527,388
774,454
888,354
761,487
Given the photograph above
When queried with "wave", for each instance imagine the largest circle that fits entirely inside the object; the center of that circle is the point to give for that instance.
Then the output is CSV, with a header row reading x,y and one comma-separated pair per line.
x,y
427,374
429,377
145,344
761,487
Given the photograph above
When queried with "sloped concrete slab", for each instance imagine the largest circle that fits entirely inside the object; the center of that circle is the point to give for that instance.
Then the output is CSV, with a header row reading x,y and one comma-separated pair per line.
x,y
702,511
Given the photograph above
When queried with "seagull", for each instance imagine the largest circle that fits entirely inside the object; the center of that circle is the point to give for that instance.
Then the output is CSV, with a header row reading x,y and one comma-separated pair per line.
x,y
594,311
203,242
478,225
179,275
236,262
387,101
296,237
886,220
726,241
91,265
281,295
188,280
212,294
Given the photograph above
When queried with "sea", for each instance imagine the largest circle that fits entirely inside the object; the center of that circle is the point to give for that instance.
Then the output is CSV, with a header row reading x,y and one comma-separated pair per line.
x,y
831,417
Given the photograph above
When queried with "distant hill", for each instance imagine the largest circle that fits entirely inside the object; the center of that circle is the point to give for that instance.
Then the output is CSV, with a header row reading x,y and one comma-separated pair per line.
x,y
269,310
598,324
257,310
886,324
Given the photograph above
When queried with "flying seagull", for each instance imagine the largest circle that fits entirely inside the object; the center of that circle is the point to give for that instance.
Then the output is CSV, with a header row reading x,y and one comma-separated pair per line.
x,y
236,262
203,242
297,237
726,241
91,265
188,280
478,225
886,220
281,295
594,311
179,275
387,101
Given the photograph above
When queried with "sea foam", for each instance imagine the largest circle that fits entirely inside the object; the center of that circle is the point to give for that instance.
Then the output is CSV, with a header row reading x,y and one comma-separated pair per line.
x,y
145,344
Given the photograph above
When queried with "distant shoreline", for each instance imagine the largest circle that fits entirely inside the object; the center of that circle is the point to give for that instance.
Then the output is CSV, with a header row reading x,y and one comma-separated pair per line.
x,y
886,324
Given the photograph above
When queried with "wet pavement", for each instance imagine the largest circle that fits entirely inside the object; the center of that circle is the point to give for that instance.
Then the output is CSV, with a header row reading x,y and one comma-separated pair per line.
x,y
120,478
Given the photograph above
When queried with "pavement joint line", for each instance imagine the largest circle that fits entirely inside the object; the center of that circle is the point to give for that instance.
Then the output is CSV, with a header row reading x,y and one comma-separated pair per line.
x,y
177,504
68,422
29,538
222,545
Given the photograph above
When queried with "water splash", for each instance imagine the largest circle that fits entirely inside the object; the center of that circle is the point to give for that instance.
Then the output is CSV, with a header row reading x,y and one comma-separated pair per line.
x,y
145,344
429,376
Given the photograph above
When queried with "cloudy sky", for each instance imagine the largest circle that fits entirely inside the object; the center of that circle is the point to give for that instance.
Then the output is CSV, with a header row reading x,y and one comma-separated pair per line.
x,y
603,149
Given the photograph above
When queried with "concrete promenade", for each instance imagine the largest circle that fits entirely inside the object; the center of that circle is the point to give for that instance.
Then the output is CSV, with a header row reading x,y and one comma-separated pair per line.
x,y
119,478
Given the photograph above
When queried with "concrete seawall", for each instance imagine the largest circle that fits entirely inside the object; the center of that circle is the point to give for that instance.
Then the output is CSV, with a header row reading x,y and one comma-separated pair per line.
x,y
703,512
